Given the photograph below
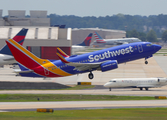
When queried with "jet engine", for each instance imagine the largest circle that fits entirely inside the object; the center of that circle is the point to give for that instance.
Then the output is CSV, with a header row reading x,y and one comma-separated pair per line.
x,y
162,80
109,65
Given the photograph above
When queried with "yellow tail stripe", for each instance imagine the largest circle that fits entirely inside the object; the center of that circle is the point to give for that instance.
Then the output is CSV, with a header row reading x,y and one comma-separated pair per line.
x,y
40,61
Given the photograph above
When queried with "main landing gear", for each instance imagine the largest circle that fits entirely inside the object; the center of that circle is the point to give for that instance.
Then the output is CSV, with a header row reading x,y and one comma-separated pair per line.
x,y
146,88
90,75
146,62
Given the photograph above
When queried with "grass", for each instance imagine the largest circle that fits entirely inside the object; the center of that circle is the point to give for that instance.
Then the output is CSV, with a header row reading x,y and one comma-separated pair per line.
x,y
66,97
97,114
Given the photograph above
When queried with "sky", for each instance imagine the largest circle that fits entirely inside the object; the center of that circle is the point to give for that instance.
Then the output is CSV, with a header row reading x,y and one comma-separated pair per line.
x,y
88,7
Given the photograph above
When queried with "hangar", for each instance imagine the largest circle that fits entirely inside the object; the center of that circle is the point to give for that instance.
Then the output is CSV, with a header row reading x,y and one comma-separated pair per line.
x,y
41,39
78,35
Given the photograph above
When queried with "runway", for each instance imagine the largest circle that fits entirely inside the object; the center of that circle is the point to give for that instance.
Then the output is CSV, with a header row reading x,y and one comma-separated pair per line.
x,y
68,105
121,92
157,67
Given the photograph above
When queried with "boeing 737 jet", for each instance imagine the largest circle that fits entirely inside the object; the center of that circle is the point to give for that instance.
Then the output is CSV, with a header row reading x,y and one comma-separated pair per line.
x,y
136,83
103,60
83,45
6,56
119,41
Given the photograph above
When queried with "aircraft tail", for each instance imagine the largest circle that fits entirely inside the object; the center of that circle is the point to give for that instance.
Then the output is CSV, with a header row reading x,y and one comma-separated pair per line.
x,y
18,38
31,65
98,38
23,56
87,40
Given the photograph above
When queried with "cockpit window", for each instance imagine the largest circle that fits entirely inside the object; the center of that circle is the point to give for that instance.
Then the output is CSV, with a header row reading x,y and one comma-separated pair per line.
x,y
150,44
112,81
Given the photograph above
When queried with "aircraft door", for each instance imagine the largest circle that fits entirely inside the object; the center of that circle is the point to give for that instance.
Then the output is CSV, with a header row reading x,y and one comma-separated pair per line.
x,y
140,48
46,71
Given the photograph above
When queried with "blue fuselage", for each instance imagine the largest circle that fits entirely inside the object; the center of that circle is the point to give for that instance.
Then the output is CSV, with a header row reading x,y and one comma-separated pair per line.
x,y
123,53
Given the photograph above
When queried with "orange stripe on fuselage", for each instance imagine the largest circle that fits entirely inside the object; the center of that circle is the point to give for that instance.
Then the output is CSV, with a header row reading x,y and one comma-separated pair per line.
x,y
51,67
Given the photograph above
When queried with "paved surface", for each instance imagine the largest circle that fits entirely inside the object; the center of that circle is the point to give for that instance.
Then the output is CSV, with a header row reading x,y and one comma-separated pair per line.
x,y
122,92
12,106
157,67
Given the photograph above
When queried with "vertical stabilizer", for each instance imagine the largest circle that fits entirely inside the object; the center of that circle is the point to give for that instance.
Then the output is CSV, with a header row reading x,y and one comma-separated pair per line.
x,y
18,38
87,40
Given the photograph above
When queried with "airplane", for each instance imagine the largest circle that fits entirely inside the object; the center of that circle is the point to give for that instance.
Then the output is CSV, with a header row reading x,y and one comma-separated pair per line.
x,y
136,83
82,46
118,41
103,60
6,56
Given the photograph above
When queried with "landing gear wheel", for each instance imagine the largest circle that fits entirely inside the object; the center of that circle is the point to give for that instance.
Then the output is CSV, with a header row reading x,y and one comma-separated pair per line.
x,y
146,62
141,88
91,76
109,89
146,88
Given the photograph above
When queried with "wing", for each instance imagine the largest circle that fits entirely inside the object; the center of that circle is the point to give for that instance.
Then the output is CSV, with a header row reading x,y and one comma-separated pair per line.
x,y
146,86
62,52
80,66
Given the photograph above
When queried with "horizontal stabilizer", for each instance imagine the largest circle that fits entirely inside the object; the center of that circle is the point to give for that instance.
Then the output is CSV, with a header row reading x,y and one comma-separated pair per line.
x,y
20,71
9,59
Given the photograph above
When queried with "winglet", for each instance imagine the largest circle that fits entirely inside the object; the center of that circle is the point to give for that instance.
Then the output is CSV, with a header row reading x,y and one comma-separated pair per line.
x,y
62,58
18,38
62,52
87,40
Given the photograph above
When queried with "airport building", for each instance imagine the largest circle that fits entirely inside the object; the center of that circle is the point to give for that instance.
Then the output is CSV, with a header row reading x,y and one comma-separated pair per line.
x,y
17,18
43,40
78,35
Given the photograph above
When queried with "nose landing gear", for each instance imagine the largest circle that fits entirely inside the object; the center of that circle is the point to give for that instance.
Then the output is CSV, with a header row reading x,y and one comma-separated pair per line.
x,y
90,75
146,62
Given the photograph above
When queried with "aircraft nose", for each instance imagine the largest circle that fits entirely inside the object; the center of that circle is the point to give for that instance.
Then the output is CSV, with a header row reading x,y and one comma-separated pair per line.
x,y
106,85
157,47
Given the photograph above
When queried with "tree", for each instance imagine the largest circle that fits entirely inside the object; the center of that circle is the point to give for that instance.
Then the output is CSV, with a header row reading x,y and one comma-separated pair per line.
x,y
164,36
142,36
151,36
134,33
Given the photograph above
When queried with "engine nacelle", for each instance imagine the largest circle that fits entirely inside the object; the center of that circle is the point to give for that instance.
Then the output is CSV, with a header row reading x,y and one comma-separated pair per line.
x,y
162,80
110,65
